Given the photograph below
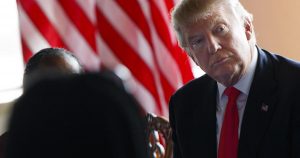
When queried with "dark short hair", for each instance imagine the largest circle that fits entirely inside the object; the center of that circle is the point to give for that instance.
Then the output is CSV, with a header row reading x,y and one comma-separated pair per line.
x,y
34,62
49,63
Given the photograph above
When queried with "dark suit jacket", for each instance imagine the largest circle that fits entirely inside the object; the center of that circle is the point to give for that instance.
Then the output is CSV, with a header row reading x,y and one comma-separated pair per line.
x,y
271,123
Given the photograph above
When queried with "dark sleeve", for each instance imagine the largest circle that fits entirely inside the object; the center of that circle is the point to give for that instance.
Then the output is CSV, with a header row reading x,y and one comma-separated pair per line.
x,y
2,144
176,148
296,130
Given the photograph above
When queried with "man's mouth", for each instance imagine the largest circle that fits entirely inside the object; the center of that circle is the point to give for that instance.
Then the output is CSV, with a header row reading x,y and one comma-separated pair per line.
x,y
220,61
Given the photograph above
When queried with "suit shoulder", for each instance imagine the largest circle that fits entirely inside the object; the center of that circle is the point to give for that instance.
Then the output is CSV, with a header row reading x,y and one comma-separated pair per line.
x,y
282,61
197,84
285,69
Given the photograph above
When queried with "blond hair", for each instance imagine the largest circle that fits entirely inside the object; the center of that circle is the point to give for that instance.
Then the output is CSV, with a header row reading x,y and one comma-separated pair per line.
x,y
188,12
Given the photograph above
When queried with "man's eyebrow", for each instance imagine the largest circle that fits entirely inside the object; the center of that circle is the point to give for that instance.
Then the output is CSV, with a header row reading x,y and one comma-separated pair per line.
x,y
216,20
191,38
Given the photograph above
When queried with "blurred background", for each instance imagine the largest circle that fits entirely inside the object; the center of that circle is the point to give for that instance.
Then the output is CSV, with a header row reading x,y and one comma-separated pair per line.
x,y
11,59
276,25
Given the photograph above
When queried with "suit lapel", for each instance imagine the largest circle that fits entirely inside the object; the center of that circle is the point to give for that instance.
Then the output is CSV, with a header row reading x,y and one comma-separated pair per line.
x,y
205,122
259,107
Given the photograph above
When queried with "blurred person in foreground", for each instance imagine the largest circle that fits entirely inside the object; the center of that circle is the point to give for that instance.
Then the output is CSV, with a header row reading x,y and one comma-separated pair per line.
x,y
247,105
86,115
47,63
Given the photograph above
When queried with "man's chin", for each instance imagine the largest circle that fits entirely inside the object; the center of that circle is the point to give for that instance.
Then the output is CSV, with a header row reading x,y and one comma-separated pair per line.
x,y
224,77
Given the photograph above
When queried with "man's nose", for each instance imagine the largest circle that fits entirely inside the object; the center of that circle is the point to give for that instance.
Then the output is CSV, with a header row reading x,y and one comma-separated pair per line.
x,y
213,45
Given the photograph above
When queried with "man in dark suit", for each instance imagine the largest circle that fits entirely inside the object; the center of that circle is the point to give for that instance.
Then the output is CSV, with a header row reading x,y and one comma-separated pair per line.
x,y
263,119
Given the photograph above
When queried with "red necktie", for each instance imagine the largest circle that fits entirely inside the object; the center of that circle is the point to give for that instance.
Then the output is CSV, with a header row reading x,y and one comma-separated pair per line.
x,y
228,144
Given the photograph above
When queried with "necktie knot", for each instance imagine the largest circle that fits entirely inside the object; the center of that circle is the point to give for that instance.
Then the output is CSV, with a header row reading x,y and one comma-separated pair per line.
x,y
232,93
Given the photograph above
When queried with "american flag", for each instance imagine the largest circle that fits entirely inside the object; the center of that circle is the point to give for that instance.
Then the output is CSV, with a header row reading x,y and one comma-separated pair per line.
x,y
132,37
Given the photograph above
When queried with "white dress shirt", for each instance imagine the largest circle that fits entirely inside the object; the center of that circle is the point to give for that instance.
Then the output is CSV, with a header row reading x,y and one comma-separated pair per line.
x,y
243,85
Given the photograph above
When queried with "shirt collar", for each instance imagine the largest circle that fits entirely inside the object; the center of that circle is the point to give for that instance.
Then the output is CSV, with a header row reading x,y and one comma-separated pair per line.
x,y
244,83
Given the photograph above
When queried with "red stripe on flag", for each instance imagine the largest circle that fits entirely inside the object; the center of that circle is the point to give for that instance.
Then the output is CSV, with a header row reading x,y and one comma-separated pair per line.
x,y
169,4
127,56
81,21
26,51
160,25
164,34
179,54
167,88
184,64
132,8
134,11
153,78
42,23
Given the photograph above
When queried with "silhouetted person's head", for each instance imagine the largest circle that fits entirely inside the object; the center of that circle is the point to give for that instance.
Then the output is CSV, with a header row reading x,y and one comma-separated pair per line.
x,y
50,62
77,116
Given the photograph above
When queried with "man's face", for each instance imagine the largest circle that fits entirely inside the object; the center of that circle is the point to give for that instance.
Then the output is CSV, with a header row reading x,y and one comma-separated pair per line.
x,y
220,44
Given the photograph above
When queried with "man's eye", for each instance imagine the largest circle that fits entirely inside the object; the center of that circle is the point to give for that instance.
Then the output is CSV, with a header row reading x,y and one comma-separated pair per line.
x,y
221,29
196,44
197,41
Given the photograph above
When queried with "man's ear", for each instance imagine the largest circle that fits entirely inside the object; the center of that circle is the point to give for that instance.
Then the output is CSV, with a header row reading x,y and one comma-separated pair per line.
x,y
248,28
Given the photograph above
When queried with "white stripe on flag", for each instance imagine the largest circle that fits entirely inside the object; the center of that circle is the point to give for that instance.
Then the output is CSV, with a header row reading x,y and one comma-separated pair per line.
x,y
142,95
142,38
70,35
32,37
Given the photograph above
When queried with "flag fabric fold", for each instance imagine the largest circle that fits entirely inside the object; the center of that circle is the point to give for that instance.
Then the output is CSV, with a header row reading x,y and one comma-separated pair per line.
x,y
132,37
